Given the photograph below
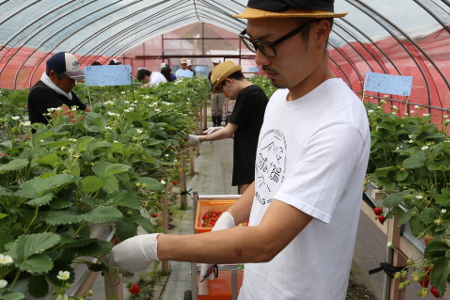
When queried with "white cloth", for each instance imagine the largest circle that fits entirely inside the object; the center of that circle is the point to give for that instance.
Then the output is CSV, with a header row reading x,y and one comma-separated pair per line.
x,y
156,78
193,140
48,82
312,154
180,73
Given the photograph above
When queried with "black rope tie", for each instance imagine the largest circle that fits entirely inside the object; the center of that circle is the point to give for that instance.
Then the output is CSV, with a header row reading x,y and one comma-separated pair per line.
x,y
387,268
185,192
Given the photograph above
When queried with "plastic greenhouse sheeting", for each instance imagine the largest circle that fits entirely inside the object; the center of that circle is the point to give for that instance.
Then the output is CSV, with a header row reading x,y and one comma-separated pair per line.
x,y
402,37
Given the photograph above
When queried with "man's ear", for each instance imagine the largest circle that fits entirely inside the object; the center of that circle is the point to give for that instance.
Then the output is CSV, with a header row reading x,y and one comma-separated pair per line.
x,y
322,32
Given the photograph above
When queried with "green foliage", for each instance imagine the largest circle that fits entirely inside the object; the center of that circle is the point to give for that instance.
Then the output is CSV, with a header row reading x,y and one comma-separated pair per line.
x,y
264,83
59,184
409,161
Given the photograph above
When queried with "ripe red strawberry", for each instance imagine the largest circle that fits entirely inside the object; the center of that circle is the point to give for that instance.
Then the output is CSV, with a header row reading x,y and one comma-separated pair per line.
x,y
174,182
378,211
134,289
426,279
435,292
155,215
428,238
381,219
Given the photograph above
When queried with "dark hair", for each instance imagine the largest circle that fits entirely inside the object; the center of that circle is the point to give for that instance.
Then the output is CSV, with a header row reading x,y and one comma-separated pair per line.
x,y
305,32
60,75
236,76
96,63
141,73
166,73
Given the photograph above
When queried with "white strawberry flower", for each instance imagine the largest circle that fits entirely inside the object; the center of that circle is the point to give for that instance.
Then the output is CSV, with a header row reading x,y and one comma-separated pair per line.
x,y
62,297
3,283
5,259
63,275
15,117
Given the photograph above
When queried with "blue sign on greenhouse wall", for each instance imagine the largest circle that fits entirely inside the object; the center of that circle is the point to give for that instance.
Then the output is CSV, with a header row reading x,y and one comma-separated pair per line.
x,y
389,84
108,75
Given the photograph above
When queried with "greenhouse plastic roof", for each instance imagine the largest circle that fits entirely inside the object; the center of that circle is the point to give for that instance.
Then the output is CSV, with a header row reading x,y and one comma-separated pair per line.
x,y
111,28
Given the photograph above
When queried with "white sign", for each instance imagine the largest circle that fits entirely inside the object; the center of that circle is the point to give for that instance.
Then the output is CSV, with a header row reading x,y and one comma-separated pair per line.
x,y
108,75
389,84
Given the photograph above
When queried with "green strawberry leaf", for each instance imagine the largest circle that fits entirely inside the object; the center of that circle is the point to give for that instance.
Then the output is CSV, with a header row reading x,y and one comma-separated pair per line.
x,y
27,245
116,169
43,200
441,271
111,183
125,230
96,249
152,184
36,187
13,165
429,215
102,215
394,199
37,263
435,250
91,184
407,216
12,296
38,286
122,198
144,223
80,242
60,217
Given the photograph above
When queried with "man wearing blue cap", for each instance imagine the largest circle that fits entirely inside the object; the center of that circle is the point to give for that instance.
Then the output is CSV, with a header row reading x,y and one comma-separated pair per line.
x,y
312,157
54,90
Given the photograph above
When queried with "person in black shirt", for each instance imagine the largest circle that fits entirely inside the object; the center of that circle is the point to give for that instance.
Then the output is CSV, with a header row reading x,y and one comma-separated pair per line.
x,y
245,120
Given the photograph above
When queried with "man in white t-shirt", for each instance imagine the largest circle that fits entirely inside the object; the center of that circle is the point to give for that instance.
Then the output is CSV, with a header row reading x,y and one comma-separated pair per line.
x,y
150,78
311,161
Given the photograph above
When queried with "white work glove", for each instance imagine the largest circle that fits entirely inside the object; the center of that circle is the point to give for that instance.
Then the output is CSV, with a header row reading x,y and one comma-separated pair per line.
x,y
136,253
193,140
211,130
225,221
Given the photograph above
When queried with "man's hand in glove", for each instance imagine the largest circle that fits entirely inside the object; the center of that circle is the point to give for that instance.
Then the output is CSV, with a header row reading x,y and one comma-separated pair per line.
x,y
211,130
136,253
193,140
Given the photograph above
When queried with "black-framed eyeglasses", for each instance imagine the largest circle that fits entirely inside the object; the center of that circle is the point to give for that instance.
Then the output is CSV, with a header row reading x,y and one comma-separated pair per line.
x,y
220,87
268,48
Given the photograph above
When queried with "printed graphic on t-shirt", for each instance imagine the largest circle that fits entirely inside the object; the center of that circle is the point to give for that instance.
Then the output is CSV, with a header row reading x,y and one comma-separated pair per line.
x,y
270,165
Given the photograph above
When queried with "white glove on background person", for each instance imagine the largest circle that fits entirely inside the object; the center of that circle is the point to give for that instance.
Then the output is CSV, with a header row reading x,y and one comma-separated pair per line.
x,y
212,130
225,221
136,253
193,140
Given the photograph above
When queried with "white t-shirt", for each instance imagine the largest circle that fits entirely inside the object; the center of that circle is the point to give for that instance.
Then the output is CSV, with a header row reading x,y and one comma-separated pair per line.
x,y
156,78
312,154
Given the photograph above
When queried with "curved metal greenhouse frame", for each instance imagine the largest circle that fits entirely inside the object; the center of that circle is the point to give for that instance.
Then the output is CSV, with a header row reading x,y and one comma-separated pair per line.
x,y
408,37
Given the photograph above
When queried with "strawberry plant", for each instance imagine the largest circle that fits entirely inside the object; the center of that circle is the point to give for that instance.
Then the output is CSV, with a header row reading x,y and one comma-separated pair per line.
x,y
60,184
409,162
